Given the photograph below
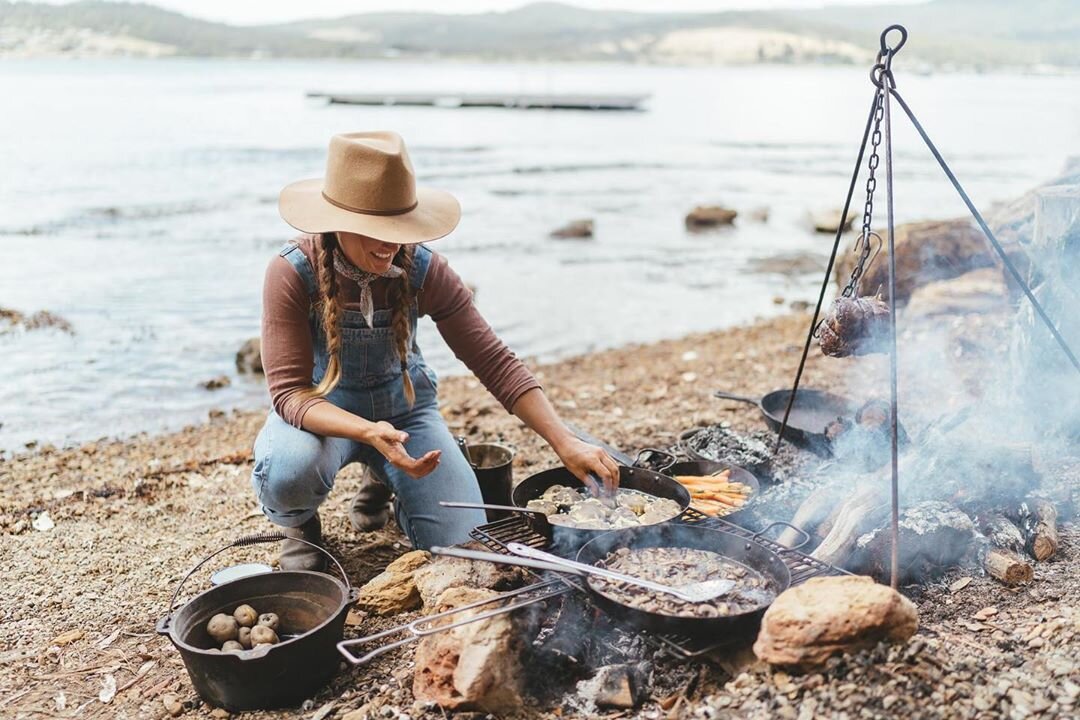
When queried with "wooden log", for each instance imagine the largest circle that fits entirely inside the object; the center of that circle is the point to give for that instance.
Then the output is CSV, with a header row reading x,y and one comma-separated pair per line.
x,y
1038,521
1007,567
815,509
862,511
1002,532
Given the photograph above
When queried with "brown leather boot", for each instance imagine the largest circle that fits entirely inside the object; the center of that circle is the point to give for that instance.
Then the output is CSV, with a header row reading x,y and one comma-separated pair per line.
x,y
297,555
370,507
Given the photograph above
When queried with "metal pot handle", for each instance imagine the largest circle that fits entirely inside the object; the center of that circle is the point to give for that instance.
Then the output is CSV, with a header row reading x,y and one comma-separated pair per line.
x,y
723,395
668,458
245,540
796,528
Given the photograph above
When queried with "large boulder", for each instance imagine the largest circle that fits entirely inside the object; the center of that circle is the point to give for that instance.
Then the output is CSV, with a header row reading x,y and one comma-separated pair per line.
x,y
809,623
471,667
925,251
979,291
249,357
443,573
828,221
394,590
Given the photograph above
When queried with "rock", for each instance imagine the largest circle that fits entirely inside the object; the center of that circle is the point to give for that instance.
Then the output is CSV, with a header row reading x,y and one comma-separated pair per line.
x,y
789,264
759,214
249,357
979,291
11,320
221,381
827,221
443,573
807,624
709,216
575,229
471,667
173,705
394,590
925,252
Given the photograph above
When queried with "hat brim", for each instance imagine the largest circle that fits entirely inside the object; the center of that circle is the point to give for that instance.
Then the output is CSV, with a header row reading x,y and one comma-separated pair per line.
x,y
436,214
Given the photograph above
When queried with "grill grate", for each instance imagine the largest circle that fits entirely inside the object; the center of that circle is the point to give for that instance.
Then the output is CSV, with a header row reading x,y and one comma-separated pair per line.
x,y
496,535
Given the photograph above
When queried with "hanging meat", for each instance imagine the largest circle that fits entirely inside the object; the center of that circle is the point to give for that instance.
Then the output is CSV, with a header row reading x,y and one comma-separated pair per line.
x,y
854,326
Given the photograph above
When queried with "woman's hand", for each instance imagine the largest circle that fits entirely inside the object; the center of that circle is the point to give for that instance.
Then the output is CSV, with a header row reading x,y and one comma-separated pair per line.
x,y
390,442
581,458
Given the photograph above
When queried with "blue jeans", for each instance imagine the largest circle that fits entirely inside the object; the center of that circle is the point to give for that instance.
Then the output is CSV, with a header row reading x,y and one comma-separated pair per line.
x,y
295,471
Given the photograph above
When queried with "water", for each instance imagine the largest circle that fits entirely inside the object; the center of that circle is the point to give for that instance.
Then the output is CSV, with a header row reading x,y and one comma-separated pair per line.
x,y
138,200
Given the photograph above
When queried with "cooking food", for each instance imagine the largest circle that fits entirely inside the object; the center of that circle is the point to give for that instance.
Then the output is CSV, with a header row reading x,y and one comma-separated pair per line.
x,y
263,635
680,566
854,326
715,495
570,507
232,634
270,620
245,615
222,628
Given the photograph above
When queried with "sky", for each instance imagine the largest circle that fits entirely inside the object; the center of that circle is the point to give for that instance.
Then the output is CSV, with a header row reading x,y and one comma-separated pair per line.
x,y
254,12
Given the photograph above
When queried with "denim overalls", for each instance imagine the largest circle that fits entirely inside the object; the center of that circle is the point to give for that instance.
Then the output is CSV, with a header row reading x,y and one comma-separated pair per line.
x,y
295,469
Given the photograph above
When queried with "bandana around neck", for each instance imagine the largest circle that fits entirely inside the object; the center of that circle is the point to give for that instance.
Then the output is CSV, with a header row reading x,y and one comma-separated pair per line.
x,y
364,279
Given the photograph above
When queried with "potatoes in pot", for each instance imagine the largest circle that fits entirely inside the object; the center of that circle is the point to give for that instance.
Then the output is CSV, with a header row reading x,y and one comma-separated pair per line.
x,y
269,620
222,628
262,635
245,616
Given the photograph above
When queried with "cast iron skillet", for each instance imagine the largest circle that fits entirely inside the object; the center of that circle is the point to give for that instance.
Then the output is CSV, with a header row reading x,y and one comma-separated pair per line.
x,y
812,411
566,539
711,467
747,552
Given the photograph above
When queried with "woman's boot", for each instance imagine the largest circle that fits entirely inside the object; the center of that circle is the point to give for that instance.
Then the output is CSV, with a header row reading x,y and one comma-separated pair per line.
x,y
296,555
370,507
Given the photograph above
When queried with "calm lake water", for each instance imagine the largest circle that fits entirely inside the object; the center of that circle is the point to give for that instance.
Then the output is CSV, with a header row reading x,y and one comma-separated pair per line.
x,y
138,200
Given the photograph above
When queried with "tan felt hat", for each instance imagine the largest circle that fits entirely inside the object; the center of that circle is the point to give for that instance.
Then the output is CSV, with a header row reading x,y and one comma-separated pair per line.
x,y
370,189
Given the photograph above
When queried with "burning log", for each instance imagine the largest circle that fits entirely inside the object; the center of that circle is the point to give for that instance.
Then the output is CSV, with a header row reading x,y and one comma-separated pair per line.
x,y
934,536
1007,567
862,511
1002,533
814,511
1038,521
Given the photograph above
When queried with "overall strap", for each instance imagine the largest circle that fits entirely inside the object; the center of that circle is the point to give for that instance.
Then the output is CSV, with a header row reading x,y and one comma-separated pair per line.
x,y
421,263
299,261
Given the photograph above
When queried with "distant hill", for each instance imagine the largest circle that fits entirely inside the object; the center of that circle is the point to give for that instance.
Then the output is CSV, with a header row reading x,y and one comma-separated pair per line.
x,y
962,33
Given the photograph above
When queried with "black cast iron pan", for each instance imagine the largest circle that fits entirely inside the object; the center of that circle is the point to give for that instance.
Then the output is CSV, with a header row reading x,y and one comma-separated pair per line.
x,y
712,467
713,630
812,411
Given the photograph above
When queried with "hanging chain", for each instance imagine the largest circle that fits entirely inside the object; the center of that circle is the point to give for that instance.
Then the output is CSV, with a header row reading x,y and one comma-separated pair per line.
x,y
865,245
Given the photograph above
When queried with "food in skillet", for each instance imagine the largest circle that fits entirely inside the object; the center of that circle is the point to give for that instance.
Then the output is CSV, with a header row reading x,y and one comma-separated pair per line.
x,y
680,566
854,326
570,507
715,495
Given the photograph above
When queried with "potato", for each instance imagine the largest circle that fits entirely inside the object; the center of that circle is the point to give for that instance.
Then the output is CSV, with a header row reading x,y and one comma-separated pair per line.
x,y
244,637
269,620
232,646
245,615
263,635
222,627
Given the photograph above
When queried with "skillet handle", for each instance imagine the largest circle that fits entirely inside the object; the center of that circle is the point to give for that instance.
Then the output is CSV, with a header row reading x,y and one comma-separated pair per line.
x,y
723,395
796,528
668,458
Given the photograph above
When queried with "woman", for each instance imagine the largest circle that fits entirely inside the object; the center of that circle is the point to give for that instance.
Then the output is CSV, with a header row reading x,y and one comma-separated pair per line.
x,y
346,376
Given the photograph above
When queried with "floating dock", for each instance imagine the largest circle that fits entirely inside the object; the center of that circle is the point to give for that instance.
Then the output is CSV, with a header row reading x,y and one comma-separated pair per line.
x,y
465,100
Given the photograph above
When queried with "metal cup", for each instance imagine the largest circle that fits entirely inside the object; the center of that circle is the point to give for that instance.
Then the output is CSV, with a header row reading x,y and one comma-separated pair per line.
x,y
493,465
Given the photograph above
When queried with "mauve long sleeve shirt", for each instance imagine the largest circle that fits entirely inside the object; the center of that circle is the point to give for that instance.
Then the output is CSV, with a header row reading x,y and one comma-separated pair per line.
x,y
288,347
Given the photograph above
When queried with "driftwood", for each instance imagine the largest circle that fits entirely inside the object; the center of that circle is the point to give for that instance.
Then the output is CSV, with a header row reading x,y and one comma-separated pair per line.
x,y
1007,566
862,511
1038,521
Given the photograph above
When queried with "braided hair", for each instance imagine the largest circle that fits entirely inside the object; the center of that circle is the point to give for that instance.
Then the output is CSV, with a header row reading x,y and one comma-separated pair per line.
x,y
401,297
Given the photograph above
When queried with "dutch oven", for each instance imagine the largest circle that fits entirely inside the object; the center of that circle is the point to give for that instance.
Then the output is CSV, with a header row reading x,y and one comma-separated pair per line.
x,y
312,607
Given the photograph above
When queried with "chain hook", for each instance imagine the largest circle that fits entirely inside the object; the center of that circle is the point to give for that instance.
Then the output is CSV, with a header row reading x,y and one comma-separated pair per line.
x,y
885,49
